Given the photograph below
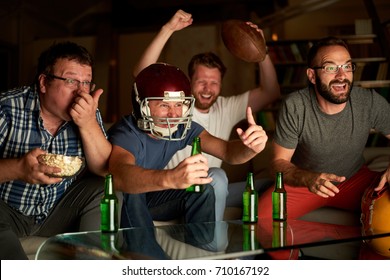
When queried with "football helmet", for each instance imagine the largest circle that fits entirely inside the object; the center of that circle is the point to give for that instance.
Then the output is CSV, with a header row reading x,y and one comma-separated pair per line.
x,y
375,218
167,83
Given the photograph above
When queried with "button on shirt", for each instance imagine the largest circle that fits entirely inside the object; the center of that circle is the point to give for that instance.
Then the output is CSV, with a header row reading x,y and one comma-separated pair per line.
x,y
22,130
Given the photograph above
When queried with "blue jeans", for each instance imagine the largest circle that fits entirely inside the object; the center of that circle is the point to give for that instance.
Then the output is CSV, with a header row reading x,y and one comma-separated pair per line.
x,y
220,186
139,210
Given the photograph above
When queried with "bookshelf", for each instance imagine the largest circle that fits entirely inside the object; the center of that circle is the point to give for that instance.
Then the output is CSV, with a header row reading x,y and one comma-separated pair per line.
x,y
290,58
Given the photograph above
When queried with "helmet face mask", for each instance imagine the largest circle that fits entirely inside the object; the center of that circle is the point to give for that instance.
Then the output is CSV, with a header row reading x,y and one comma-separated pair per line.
x,y
164,128
163,83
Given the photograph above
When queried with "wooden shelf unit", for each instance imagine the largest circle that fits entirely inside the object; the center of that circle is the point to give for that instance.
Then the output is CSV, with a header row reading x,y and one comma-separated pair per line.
x,y
290,60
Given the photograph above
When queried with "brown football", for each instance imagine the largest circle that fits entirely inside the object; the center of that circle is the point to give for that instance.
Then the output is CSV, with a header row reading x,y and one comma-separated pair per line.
x,y
243,41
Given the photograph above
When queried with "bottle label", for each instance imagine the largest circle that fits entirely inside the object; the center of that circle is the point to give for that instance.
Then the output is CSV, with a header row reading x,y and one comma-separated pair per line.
x,y
279,211
109,215
250,202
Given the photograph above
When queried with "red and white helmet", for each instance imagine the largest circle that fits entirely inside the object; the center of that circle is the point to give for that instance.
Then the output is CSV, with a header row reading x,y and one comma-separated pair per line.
x,y
375,219
165,82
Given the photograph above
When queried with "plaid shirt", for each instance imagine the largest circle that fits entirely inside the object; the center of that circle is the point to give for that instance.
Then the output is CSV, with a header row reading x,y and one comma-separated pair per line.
x,y
21,130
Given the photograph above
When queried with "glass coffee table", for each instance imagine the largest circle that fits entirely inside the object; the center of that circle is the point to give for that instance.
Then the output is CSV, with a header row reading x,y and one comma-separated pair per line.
x,y
220,240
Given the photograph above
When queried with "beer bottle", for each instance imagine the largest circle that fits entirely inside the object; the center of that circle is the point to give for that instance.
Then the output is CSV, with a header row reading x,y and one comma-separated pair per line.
x,y
196,149
109,207
249,201
279,199
279,232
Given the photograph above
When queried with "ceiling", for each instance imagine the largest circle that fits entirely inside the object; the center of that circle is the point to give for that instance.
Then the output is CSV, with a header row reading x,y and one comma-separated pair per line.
x,y
130,14
83,17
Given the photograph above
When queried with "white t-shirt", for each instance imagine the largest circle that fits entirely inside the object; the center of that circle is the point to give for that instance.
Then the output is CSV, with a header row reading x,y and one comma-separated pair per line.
x,y
225,113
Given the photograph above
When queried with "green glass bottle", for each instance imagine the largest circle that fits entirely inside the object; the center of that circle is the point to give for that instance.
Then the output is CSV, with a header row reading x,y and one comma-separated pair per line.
x,y
249,238
196,149
249,201
109,207
279,199
279,232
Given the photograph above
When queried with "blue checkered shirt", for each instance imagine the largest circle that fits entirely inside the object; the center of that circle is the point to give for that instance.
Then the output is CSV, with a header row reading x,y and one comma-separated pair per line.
x,y
21,130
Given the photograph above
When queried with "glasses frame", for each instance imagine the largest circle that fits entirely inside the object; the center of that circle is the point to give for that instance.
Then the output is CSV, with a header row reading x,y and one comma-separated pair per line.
x,y
74,82
337,67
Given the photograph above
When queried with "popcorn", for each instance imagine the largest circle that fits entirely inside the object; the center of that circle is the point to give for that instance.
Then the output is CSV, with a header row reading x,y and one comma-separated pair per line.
x,y
69,165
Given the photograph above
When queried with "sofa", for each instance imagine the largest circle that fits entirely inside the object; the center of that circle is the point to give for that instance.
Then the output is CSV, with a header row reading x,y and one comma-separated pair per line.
x,y
377,158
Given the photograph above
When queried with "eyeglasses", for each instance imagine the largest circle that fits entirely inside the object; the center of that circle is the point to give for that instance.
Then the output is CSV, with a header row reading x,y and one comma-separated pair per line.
x,y
73,83
333,68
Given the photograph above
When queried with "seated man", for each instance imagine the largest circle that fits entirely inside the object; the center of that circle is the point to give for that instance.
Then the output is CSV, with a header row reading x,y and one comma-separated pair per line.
x,y
321,133
216,113
59,114
145,141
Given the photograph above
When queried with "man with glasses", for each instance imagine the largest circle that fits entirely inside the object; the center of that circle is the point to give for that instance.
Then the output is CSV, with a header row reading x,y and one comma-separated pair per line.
x,y
58,114
321,133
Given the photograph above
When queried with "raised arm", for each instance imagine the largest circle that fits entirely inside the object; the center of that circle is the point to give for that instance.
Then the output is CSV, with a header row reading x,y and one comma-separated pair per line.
x,y
268,90
151,54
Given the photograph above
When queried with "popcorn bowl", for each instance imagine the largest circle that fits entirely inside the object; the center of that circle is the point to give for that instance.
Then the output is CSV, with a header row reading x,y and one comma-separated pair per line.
x,y
70,165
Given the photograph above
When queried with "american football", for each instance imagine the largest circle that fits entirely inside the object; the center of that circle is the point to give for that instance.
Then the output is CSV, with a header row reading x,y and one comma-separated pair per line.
x,y
243,41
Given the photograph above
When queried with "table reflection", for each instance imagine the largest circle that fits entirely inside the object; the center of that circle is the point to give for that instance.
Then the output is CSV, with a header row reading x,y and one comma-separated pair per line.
x,y
221,240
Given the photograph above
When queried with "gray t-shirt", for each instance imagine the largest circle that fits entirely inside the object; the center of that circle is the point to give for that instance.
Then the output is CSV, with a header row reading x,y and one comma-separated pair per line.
x,y
330,143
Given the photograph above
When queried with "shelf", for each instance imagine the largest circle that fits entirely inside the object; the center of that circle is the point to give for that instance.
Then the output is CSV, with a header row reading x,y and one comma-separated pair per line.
x,y
290,63
369,59
359,39
289,58
373,84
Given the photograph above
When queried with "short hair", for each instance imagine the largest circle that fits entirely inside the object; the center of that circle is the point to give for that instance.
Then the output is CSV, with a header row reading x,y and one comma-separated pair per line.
x,y
208,59
324,42
66,50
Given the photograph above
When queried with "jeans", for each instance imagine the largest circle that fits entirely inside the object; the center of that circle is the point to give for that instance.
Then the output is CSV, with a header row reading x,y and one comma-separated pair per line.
x,y
139,210
220,186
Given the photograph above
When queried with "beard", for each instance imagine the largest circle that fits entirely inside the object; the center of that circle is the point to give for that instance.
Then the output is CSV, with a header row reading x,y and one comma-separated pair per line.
x,y
202,103
326,91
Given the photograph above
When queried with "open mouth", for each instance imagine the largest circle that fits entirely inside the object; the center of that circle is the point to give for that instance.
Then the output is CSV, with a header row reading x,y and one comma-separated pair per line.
x,y
206,96
339,86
